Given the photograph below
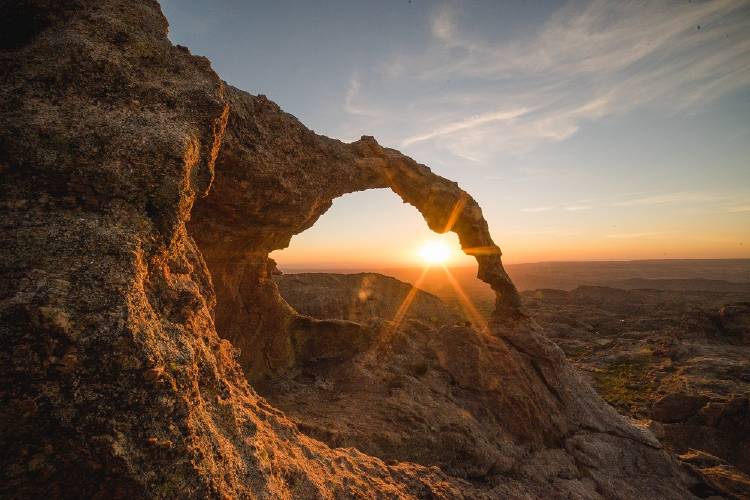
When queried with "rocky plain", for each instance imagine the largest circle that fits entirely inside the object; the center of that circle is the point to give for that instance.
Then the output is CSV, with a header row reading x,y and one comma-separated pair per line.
x,y
671,354
147,351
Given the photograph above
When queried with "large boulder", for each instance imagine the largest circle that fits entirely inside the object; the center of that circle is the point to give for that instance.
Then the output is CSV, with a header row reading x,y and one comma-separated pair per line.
x,y
677,407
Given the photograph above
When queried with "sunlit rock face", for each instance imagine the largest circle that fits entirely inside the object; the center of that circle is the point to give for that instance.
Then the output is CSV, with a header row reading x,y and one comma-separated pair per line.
x,y
114,380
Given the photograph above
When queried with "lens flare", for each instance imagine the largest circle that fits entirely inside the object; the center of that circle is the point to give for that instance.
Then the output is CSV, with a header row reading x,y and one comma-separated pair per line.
x,y
435,252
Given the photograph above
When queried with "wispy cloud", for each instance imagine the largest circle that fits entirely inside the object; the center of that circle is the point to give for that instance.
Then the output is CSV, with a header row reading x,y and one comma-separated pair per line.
x,y
687,197
351,104
466,124
587,61
538,209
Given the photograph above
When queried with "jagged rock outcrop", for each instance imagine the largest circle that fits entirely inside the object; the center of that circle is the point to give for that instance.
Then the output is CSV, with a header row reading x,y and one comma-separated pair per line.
x,y
719,476
114,380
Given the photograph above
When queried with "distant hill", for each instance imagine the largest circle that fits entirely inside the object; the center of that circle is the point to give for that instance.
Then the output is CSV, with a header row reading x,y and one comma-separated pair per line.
x,y
569,275
360,297
716,275
686,284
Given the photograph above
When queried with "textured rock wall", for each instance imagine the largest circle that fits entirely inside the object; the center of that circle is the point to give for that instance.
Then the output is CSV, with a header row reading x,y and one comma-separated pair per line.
x,y
114,380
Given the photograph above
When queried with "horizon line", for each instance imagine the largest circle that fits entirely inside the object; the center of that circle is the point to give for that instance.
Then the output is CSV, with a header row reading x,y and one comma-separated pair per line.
x,y
458,266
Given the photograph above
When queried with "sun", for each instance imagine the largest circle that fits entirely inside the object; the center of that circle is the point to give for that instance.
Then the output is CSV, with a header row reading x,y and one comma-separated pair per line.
x,y
435,252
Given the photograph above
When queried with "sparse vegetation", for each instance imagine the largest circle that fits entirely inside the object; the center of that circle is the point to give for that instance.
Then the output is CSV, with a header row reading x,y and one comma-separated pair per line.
x,y
625,384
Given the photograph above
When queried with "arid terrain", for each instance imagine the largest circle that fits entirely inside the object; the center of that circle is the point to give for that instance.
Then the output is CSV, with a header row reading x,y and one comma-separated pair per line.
x,y
678,360
665,352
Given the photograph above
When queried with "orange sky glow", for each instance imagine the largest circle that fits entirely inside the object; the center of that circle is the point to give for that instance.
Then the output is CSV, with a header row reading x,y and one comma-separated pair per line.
x,y
353,235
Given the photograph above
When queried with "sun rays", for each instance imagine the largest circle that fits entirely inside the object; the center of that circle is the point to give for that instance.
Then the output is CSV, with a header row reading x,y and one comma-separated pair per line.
x,y
406,303
470,310
437,253
471,313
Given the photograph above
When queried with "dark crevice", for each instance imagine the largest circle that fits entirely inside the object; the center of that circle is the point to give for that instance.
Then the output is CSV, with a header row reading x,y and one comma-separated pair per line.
x,y
20,22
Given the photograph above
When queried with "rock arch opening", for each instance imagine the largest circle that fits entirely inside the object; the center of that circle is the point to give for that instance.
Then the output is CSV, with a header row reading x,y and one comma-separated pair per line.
x,y
363,258
372,228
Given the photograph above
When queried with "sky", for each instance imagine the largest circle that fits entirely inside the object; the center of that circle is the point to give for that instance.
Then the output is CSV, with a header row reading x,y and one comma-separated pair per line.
x,y
585,130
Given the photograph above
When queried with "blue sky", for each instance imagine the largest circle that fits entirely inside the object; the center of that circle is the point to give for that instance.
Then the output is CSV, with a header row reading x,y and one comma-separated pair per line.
x,y
585,130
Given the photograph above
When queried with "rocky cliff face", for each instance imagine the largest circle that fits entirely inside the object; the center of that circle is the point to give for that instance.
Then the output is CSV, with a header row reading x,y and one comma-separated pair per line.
x,y
139,199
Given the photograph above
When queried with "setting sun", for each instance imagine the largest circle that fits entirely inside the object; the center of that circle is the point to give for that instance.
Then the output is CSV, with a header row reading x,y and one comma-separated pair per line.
x,y
435,252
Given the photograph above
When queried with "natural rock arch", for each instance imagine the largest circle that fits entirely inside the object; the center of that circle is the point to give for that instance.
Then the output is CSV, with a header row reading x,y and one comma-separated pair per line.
x,y
274,178
268,155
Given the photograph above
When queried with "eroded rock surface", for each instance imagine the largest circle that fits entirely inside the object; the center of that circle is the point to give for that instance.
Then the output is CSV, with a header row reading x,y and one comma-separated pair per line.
x,y
676,360
114,380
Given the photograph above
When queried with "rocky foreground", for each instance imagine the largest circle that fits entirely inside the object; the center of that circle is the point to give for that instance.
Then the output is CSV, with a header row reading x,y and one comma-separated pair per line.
x,y
140,197
679,361
674,361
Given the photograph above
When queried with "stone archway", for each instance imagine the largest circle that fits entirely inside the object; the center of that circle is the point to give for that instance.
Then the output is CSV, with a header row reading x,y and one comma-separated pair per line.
x,y
273,179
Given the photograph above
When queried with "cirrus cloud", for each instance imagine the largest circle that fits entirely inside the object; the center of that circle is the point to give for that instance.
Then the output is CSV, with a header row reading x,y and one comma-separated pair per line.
x,y
586,62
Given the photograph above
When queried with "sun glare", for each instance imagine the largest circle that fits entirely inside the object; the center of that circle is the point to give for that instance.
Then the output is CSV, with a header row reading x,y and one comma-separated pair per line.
x,y
435,252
